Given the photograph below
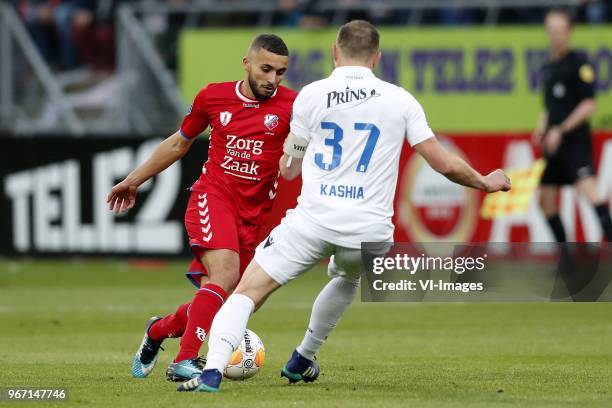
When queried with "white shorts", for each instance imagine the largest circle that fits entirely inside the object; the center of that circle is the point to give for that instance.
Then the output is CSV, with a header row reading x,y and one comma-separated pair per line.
x,y
293,248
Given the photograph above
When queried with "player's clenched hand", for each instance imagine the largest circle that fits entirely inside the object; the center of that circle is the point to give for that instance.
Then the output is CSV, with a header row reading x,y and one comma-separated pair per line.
x,y
122,197
497,181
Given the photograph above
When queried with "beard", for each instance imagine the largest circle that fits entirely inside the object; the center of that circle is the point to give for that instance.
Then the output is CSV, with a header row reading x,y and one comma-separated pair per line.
x,y
259,95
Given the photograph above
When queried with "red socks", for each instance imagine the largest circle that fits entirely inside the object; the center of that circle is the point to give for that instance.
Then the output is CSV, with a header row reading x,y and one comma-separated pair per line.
x,y
204,307
172,325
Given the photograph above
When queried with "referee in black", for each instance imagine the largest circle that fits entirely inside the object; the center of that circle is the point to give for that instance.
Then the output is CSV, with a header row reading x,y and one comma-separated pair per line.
x,y
563,131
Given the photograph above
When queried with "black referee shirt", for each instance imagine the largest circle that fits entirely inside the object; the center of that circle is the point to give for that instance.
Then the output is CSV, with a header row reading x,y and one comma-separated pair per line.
x,y
567,82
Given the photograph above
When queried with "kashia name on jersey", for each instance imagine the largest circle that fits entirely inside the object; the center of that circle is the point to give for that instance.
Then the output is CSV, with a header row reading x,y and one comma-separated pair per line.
x,y
342,191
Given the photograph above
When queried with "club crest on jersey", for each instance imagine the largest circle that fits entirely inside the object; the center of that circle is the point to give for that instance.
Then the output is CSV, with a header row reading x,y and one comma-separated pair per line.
x,y
271,121
225,117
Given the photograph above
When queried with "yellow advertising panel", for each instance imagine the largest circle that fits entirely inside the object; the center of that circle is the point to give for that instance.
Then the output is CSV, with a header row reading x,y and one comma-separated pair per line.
x,y
468,79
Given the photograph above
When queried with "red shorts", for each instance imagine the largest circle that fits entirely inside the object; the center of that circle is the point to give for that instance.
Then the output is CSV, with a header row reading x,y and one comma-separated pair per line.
x,y
212,222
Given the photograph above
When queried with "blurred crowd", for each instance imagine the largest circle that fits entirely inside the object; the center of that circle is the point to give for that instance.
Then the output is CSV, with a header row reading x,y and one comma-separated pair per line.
x,y
76,33
301,13
72,33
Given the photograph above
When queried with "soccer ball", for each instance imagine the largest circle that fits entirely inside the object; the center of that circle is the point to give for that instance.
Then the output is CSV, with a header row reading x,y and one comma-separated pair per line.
x,y
247,359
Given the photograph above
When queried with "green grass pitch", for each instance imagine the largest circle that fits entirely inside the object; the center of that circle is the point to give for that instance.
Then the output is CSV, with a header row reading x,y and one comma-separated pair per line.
x,y
76,324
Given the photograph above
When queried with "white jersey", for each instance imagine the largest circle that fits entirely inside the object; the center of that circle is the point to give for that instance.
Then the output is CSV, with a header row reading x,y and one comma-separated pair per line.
x,y
355,126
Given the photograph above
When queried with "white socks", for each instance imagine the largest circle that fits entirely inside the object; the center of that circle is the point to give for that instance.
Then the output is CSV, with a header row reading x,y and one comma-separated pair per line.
x,y
230,323
327,310
227,330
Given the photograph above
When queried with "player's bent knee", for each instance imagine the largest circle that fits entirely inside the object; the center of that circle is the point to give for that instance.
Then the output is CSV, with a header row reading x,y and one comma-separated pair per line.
x,y
256,283
588,188
223,267
226,278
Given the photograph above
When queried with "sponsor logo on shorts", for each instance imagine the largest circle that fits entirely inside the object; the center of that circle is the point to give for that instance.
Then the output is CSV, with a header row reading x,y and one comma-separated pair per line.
x,y
269,241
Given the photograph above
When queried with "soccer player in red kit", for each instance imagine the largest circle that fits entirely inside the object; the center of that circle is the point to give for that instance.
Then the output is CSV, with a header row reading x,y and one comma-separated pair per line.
x,y
231,200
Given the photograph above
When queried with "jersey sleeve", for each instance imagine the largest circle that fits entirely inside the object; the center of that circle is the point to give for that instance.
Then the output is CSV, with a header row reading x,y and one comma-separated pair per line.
x,y
196,120
301,116
417,129
585,79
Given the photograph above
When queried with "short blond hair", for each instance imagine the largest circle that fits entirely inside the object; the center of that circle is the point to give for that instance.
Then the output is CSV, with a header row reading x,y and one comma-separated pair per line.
x,y
358,39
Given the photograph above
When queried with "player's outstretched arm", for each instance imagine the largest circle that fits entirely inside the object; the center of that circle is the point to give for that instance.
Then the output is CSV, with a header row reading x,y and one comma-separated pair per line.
x,y
122,197
457,170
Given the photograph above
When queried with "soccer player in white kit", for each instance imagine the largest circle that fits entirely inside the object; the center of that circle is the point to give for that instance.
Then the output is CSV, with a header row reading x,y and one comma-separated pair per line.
x,y
346,137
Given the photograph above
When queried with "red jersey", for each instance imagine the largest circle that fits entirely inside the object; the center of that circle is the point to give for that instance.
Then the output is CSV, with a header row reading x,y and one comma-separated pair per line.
x,y
246,143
